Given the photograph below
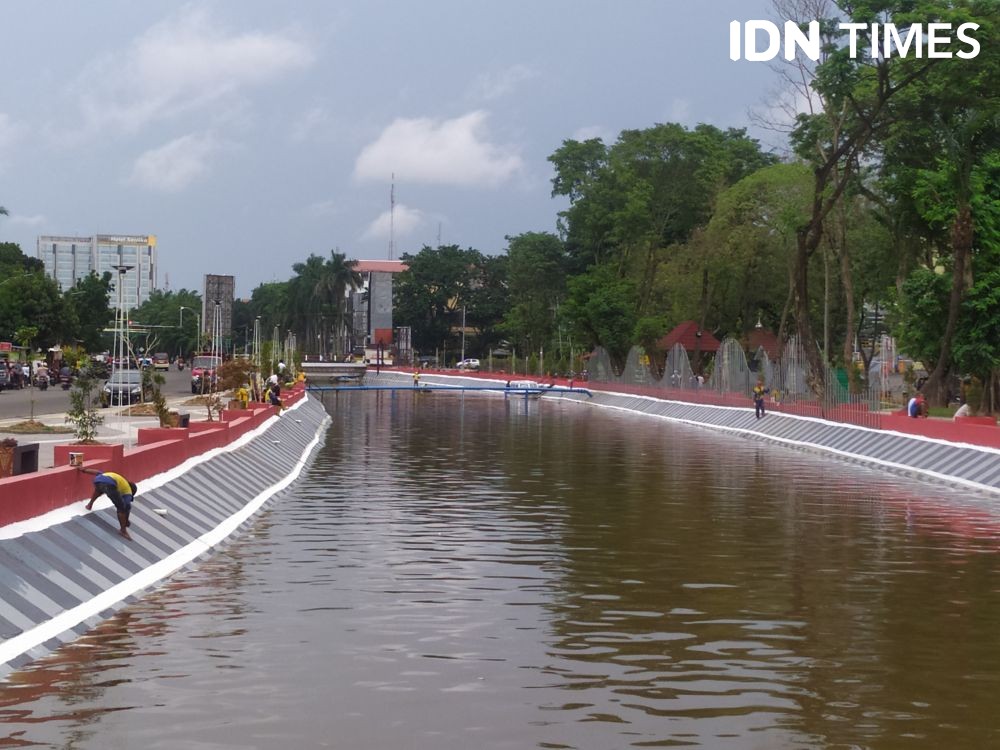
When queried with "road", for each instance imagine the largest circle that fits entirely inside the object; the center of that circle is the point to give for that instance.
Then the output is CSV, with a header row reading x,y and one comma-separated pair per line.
x,y
16,405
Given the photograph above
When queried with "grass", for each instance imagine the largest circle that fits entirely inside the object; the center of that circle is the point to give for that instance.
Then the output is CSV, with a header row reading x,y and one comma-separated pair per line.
x,y
33,427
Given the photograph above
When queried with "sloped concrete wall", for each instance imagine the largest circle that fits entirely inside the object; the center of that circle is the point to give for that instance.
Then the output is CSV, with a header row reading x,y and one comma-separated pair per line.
x,y
966,465
59,579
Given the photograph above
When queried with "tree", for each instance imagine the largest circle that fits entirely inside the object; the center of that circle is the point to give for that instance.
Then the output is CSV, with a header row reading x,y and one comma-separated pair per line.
x,y
88,311
858,106
747,249
337,277
601,307
537,266
161,314
32,299
429,295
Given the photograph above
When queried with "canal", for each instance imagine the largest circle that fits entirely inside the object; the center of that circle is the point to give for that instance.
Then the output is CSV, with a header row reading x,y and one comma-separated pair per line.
x,y
468,573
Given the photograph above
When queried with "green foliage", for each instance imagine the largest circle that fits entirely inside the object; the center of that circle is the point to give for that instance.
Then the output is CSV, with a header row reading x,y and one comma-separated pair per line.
x,y
30,298
648,191
83,413
922,314
601,307
162,312
438,282
88,312
537,285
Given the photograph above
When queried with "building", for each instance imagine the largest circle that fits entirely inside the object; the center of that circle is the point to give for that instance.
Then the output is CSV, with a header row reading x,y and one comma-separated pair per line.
x,y
70,259
370,306
219,291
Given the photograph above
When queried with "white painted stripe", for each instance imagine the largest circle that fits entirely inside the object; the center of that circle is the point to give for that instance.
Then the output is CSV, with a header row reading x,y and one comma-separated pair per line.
x,y
69,512
14,647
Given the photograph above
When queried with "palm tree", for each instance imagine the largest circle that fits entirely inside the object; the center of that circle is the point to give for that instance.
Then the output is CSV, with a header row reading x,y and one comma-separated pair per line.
x,y
338,276
303,307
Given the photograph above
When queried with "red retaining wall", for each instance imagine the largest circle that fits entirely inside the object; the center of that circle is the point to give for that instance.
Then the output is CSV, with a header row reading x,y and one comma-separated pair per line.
x,y
158,449
958,432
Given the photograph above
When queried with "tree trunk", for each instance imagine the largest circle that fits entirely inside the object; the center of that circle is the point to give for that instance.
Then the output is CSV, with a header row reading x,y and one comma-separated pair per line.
x,y
848,282
936,387
808,240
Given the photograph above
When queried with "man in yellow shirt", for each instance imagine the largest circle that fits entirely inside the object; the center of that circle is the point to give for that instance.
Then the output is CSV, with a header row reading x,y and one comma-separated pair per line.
x,y
119,490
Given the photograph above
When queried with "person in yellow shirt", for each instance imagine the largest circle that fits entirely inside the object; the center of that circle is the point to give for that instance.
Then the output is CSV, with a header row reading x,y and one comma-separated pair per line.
x,y
121,492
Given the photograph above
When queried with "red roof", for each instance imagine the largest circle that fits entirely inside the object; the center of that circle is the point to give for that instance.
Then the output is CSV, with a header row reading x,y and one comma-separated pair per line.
x,y
387,266
686,334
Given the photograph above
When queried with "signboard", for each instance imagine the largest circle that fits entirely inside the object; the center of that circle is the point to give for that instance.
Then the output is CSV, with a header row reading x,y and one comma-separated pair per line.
x,y
5,346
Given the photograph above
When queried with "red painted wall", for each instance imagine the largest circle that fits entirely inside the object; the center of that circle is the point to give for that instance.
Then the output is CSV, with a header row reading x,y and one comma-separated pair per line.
x,y
158,450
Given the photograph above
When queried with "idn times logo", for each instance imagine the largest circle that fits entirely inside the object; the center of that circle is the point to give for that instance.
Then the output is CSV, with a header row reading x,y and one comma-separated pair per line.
x,y
762,41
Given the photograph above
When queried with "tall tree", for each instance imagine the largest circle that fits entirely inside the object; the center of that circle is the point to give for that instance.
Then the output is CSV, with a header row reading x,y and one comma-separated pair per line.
x,y
87,307
537,265
859,96
336,279
429,295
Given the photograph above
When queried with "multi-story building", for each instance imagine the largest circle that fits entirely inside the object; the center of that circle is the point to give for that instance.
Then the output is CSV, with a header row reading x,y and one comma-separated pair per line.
x,y
69,259
219,291
370,306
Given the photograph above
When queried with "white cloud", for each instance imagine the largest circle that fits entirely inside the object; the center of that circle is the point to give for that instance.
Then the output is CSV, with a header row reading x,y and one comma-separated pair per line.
x,y
447,152
489,86
402,222
183,63
175,165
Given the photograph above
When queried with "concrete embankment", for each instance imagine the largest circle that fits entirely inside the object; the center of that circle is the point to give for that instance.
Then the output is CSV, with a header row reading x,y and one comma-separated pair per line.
x,y
965,465
64,572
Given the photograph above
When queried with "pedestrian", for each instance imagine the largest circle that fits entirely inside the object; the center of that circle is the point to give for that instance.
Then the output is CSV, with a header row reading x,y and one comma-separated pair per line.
x,y
416,378
120,491
758,399
275,396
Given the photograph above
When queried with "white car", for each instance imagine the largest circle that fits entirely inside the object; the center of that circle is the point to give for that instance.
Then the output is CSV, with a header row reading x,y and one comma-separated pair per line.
x,y
468,364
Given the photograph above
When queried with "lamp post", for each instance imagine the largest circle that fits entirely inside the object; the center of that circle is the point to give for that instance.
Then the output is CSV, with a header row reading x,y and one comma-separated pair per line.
x,y
122,344
198,315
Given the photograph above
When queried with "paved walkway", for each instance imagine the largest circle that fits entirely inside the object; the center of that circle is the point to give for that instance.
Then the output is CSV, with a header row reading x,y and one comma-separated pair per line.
x,y
116,428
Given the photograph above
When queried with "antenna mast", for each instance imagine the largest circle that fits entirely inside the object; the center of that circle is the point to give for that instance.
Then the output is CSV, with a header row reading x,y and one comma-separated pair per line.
x,y
392,216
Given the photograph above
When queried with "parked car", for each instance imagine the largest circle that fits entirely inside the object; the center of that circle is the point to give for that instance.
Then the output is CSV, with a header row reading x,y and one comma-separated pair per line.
x,y
468,364
161,361
125,387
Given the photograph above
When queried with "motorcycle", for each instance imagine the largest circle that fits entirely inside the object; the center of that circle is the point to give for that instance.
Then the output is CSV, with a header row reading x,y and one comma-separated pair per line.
x,y
42,381
180,364
65,378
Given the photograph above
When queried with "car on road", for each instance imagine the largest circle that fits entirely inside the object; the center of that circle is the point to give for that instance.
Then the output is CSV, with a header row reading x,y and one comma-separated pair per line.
x,y
468,364
125,387
204,367
161,361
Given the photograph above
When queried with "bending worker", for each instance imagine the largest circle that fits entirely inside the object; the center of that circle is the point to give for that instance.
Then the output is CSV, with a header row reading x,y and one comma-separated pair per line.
x,y
119,490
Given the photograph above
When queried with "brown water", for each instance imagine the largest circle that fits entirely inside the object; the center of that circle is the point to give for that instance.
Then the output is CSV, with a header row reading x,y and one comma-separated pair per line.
x,y
472,574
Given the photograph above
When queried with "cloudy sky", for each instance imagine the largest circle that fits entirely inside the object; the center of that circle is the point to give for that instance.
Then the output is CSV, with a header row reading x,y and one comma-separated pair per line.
x,y
246,134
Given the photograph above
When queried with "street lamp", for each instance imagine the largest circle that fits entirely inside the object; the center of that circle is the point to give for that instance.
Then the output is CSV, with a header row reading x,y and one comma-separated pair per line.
x,y
198,315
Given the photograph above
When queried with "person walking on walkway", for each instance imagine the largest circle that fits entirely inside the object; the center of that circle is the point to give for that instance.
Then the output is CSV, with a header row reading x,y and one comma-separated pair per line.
x,y
120,491
758,399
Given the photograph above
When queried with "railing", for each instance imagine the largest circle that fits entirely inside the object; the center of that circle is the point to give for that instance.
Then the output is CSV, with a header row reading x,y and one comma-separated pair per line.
x,y
732,380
